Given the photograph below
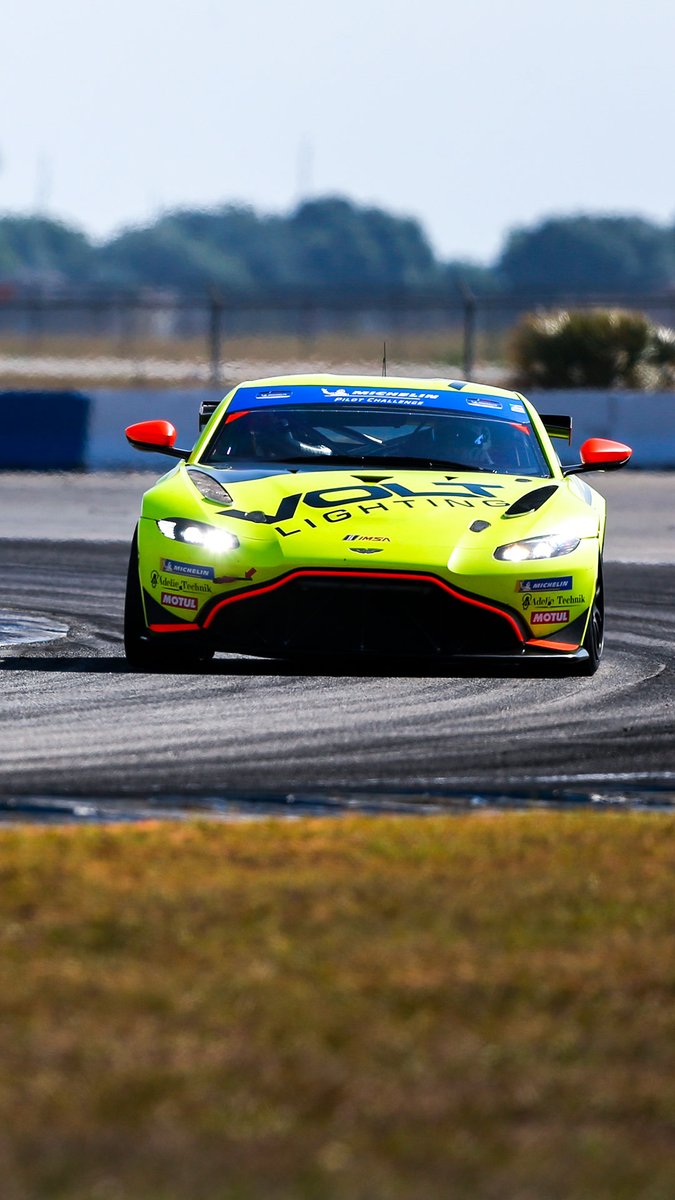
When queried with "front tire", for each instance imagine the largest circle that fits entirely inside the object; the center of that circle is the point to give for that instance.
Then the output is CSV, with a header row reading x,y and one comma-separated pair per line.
x,y
142,652
594,638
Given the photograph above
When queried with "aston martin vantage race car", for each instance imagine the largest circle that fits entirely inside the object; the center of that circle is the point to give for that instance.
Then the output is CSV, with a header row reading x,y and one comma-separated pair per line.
x,y
362,515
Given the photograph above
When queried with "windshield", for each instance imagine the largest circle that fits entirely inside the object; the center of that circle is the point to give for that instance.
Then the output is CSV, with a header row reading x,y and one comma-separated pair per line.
x,y
311,434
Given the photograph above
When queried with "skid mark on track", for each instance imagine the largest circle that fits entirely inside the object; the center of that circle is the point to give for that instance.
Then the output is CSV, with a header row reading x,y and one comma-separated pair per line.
x,y
74,720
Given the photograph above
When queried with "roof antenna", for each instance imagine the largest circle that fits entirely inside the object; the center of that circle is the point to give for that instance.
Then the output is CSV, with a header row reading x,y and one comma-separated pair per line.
x,y
384,360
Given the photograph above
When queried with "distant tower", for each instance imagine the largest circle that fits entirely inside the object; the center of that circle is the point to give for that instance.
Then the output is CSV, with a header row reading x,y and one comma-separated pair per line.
x,y
43,185
304,181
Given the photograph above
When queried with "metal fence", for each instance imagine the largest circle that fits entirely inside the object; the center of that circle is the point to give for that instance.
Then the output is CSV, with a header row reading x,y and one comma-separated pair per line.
x,y
127,318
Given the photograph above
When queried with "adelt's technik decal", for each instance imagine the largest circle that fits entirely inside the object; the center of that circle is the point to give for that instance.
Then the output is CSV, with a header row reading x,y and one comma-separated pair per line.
x,y
178,584
550,600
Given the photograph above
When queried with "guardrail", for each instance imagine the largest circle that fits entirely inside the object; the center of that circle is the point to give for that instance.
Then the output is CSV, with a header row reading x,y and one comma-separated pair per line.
x,y
42,431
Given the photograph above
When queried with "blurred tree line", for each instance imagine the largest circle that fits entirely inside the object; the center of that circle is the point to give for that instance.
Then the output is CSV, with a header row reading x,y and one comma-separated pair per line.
x,y
349,248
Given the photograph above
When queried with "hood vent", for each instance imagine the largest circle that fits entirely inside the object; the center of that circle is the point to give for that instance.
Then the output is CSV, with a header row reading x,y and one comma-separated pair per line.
x,y
531,501
371,478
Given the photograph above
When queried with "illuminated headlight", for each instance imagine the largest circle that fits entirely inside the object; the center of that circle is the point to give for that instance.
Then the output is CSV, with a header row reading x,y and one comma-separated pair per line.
x,y
194,533
209,487
550,546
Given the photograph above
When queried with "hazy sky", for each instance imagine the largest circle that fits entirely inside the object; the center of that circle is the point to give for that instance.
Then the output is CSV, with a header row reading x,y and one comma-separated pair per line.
x,y
474,117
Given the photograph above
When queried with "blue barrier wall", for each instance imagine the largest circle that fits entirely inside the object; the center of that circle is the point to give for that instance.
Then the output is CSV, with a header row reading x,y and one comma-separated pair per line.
x,y
66,430
644,420
113,410
43,430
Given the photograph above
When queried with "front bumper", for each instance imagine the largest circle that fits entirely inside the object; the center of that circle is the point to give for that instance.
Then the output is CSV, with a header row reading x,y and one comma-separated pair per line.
x,y
335,611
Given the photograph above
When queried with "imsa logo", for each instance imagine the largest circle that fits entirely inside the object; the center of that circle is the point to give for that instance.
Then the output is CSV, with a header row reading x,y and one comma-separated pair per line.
x,y
363,537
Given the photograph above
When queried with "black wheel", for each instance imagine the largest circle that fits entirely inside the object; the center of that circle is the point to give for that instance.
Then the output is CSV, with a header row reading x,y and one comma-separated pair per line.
x,y
595,633
142,653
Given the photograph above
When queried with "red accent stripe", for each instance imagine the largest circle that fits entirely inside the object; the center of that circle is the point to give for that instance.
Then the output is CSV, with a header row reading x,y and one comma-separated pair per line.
x,y
553,645
189,625
272,587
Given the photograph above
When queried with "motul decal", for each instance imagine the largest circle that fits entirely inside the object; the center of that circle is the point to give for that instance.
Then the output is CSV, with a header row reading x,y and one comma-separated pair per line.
x,y
173,600
551,616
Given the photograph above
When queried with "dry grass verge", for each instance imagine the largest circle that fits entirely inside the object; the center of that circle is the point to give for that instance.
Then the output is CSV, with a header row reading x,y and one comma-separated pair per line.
x,y
339,1010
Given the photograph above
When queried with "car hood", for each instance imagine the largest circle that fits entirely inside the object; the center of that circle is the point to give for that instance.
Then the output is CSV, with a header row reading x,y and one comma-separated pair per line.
x,y
403,508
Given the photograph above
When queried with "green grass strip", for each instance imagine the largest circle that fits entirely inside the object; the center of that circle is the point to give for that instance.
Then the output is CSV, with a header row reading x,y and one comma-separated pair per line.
x,y
479,1007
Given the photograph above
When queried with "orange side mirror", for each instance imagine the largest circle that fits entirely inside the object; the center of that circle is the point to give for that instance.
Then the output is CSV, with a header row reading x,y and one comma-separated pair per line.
x,y
599,454
152,435
159,436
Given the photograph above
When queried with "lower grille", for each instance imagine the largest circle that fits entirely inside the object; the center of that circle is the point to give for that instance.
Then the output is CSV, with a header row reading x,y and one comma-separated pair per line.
x,y
311,614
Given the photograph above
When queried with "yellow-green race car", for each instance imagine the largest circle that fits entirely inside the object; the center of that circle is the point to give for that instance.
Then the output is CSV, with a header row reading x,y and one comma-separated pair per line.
x,y
345,515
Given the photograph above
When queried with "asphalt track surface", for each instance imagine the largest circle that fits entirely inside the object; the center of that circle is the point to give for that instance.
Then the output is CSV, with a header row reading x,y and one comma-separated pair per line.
x,y
75,722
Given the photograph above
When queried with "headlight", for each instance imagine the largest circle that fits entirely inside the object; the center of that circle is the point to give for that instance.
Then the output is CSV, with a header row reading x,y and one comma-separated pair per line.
x,y
209,487
194,533
550,546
